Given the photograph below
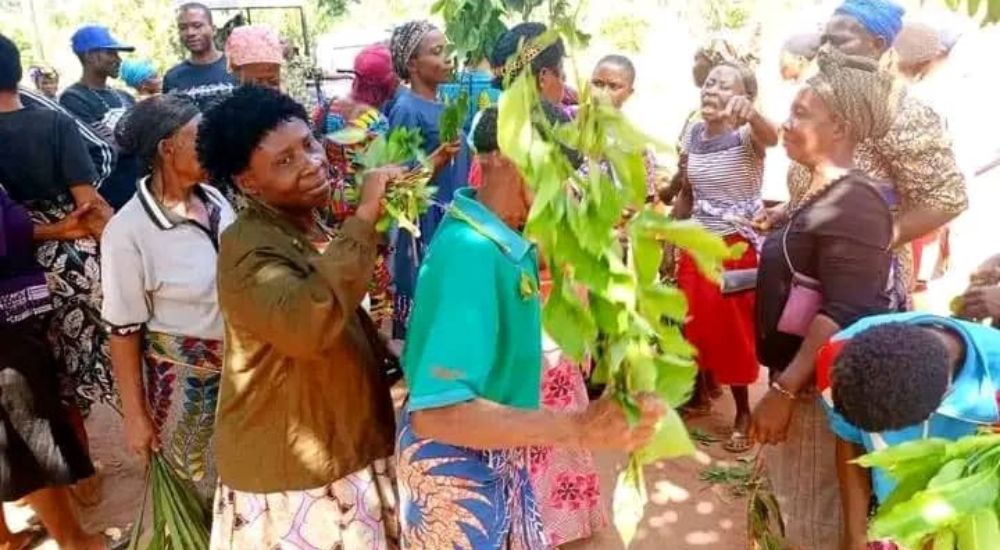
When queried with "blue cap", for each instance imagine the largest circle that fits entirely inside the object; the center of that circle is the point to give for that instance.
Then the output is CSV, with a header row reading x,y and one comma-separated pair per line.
x,y
95,37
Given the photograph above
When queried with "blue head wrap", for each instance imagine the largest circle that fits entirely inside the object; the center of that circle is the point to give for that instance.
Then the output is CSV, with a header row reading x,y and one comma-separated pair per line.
x,y
136,71
882,18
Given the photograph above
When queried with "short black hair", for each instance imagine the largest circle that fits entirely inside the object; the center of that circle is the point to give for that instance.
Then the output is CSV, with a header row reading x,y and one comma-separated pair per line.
x,y
512,41
747,75
151,121
10,65
231,130
484,135
890,377
196,6
621,61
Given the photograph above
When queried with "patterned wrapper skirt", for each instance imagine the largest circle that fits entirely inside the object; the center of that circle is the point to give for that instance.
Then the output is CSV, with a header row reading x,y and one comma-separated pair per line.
x,y
721,327
182,389
79,336
803,474
38,445
355,512
565,481
461,499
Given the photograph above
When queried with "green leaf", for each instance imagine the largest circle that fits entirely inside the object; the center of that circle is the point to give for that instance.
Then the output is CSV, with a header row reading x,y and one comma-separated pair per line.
x,y
950,472
568,323
663,301
674,379
973,7
646,256
980,531
630,170
671,440
629,501
944,540
931,510
923,450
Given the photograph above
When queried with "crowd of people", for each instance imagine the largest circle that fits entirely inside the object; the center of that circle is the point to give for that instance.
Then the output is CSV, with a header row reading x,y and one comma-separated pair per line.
x,y
201,254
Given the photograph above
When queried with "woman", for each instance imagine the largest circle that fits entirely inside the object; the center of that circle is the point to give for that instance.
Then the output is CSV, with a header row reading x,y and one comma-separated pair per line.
x,y
838,239
421,58
374,84
255,56
159,256
46,81
722,181
473,365
45,167
565,481
305,422
614,76
141,76
40,455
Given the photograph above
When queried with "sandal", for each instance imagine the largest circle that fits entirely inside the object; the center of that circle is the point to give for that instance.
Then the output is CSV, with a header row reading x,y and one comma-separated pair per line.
x,y
738,443
696,411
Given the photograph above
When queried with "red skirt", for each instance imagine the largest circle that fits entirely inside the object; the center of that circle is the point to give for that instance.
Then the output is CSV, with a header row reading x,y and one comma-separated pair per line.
x,y
721,327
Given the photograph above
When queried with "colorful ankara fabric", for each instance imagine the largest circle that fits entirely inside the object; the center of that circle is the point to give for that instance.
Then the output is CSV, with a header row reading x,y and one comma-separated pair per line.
x,y
182,390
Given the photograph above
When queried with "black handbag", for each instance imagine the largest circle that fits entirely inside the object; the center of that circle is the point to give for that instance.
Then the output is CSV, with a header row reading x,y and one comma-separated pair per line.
x,y
392,370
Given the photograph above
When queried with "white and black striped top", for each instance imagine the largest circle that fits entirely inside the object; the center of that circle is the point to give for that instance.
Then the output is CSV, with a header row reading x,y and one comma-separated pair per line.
x,y
726,173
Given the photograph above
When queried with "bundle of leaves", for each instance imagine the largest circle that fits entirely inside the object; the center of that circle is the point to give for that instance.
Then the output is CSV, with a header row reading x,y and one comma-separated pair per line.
x,y
631,320
408,197
453,117
947,493
180,521
472,26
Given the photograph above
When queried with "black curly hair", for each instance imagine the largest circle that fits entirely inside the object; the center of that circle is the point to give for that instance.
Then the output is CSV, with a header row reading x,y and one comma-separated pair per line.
x,y
890,376
511,41
150,122
10,65
230,131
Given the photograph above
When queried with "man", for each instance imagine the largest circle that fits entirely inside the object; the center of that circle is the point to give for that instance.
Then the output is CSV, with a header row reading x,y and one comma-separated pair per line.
x,y
915,156
204,76
890,379
102,107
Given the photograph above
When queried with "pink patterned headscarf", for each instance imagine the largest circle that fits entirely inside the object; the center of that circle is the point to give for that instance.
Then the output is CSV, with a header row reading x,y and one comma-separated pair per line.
x,y
254,44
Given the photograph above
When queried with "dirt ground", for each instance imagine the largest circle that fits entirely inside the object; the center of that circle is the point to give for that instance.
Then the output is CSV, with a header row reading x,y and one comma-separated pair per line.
x,y
684,513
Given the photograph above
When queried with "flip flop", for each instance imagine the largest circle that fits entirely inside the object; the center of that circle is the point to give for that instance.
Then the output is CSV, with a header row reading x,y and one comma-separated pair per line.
x,y
696,411
738,443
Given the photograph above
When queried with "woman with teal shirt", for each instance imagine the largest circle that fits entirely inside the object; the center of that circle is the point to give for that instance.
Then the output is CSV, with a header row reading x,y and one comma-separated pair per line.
x,y
473,365
420,57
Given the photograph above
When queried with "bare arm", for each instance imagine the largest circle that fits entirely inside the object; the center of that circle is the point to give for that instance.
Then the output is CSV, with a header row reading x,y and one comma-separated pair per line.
x,y
100,211
763,132
919,221
799,373
126,363
855,494
481,424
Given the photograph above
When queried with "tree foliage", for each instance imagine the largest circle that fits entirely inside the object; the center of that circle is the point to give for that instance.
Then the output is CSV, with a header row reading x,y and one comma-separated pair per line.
x,y
985,11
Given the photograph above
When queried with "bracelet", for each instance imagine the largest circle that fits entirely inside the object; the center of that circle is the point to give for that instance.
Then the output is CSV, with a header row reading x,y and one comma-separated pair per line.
x,y
781,390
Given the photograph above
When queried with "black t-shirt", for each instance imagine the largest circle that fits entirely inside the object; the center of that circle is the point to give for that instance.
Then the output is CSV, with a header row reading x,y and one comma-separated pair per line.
x,y
103,109
205,84
841,238
42,155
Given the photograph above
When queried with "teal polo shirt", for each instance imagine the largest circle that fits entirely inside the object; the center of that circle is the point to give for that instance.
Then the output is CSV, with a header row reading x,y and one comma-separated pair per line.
x,y
475,328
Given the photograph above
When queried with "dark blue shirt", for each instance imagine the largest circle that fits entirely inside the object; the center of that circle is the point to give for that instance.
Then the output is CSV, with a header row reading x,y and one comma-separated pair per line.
x,y
205,84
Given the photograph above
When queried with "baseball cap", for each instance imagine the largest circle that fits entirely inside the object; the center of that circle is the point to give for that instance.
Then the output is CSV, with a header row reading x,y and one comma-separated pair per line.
x,y
95,37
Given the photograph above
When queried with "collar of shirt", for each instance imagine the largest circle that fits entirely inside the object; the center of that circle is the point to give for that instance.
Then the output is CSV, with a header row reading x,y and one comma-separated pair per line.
x,y
466,207
166,219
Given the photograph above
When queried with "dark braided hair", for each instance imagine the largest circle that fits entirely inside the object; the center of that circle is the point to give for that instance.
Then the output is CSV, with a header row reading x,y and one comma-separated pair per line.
x,y
513,40
150,122
890,377
230,131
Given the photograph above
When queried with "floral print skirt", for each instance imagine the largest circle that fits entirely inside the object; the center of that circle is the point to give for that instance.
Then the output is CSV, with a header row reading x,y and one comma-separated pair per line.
x,y
461,499
355,512
182,391
565,481
78,335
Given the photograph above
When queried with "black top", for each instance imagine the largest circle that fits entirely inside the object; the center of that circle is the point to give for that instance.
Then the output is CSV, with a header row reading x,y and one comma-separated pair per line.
x,y
42,155
205,84
841,238
103,109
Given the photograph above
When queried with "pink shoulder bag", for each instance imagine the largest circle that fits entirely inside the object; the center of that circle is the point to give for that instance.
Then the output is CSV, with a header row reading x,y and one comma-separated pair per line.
x,y
804,298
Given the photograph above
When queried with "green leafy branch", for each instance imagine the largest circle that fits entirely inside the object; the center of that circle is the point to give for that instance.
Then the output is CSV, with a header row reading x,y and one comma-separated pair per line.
x,y
406,198
472,26
180,518
985,11
630,320
947,493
